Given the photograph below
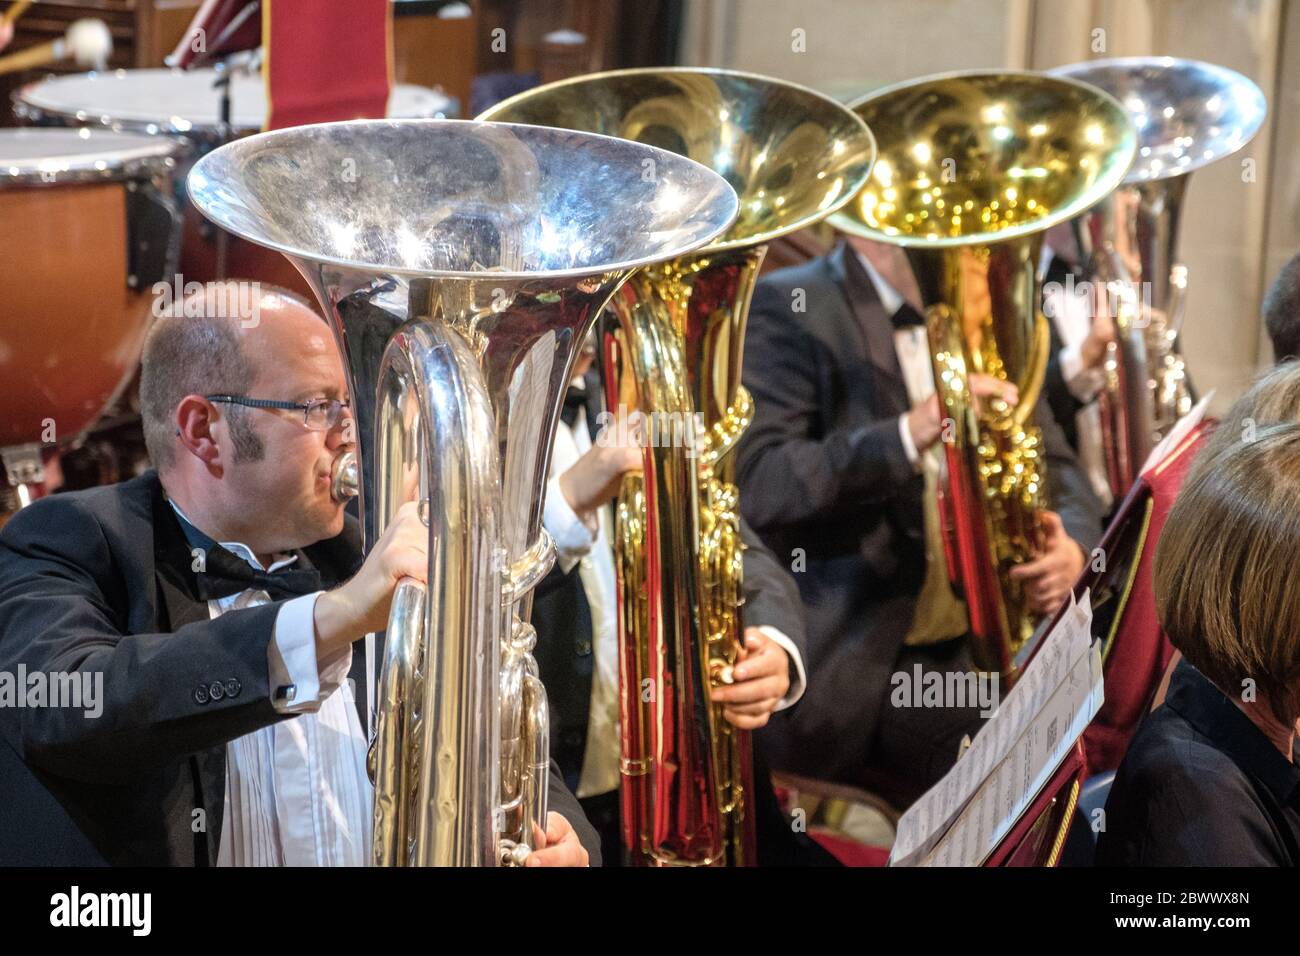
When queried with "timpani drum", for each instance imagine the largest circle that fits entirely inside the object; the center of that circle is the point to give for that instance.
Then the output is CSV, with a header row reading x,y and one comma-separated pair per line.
x,y
88,225
186,105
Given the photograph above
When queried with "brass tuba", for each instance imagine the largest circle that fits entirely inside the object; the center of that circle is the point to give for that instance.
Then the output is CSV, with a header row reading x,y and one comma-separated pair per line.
x,y
1188,115
461,264
672,350
972,168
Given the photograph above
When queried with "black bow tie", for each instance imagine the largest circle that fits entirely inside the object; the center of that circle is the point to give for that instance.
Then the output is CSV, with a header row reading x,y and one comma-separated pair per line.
x,y
225,573
574,399
906,316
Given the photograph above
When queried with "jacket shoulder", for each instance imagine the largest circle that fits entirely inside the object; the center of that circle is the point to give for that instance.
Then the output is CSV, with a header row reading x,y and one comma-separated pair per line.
x,y
110,506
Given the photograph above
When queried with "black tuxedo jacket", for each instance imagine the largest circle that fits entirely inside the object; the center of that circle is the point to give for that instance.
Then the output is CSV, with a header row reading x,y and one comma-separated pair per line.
x,y
100,581
824,480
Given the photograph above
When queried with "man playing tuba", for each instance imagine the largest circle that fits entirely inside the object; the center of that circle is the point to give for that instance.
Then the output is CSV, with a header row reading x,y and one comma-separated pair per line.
x,y
217,599
837,474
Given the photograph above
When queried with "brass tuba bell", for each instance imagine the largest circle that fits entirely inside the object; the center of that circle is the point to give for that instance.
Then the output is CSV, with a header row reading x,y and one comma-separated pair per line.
x,y
671,350
1188,115
971,169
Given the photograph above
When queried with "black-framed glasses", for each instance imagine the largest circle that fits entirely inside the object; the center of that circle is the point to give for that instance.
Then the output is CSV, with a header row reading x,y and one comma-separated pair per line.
x,y
318,414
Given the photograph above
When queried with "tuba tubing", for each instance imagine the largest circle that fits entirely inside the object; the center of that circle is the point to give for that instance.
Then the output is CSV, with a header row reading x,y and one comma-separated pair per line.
x,y
459,274
449,654
671,347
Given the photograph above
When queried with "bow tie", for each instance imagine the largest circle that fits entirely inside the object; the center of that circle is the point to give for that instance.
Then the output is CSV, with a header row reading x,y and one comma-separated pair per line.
x,y
906,316
225,573
574,399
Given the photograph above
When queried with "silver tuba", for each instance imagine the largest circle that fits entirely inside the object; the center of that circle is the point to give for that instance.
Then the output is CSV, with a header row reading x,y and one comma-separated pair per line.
x,y
1188,114
461,265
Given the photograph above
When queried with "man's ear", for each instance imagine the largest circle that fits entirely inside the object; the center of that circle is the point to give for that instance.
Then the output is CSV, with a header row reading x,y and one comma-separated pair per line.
x,y
198,423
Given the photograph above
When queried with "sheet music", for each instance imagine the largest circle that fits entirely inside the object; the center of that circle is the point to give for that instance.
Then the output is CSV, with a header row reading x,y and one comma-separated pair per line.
x,y
924,824
1176,434
1017,781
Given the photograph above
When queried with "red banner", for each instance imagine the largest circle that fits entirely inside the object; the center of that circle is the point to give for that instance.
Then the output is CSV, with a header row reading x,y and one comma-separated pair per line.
x,y
326,60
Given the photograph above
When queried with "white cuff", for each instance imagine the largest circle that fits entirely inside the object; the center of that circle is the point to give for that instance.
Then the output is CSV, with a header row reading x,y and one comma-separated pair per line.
x,y
1083,383
300,683
909,446
800,680
573,536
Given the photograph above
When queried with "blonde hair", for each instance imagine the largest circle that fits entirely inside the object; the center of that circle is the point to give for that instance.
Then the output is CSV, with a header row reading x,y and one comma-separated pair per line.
x,y
1223,574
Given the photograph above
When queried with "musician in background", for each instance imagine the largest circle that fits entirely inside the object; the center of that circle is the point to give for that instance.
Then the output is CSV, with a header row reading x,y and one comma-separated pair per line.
x,y
1281,311
215,603
837,473
1081,326
1211,778
576,615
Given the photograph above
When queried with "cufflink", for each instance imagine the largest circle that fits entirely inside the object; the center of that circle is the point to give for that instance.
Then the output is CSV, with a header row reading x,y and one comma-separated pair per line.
x,y
286,693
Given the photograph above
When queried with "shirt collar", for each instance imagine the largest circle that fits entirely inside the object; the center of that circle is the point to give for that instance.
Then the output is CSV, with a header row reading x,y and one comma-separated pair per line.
x,y
889,297
198,539
1211,713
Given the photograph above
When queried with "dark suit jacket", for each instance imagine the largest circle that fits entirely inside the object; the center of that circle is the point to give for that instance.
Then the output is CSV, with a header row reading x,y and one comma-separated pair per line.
x,y
562,617
100,581
824,479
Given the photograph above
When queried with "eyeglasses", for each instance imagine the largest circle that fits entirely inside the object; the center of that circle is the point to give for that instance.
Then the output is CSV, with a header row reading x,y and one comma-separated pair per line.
x,y
319,414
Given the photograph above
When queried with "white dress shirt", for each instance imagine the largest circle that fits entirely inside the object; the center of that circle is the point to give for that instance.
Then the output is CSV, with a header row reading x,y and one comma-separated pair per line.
x,y
588,546
912,346
297,792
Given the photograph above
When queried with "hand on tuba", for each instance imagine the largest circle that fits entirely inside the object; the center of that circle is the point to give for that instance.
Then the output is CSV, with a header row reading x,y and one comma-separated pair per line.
x,y
361,606
1102,332
925,420
594,479
1048,578
558,846
762,679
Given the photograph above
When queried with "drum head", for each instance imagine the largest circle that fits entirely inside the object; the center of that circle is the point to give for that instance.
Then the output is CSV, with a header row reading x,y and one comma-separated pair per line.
x,y
172,101
57,156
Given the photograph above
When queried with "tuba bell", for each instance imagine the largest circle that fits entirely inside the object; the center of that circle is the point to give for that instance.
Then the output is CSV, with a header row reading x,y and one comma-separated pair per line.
x,y
671,349
1188,114
460,265
972,168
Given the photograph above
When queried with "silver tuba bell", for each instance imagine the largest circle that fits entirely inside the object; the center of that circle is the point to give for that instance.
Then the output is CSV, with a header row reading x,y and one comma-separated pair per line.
x,y
1187,114
461,265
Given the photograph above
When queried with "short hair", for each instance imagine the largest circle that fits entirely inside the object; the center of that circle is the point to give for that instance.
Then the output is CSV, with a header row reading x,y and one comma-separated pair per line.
x,y
1223,589
186,355
1273,399
1281,311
